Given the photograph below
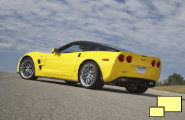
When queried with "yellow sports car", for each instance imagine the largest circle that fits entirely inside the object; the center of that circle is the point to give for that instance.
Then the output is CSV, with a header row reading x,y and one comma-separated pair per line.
x,y
93,65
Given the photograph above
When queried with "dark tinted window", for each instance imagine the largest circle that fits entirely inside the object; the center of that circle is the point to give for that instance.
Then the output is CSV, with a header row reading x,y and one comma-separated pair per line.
x,y
98,47
73,48
114,47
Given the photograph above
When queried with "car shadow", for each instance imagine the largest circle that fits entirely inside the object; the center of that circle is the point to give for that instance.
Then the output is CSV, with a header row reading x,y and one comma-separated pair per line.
x,y
105,89
125,92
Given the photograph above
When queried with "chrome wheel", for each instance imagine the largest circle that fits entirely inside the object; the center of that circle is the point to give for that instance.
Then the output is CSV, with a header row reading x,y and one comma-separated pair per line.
x,y
88,75
27,68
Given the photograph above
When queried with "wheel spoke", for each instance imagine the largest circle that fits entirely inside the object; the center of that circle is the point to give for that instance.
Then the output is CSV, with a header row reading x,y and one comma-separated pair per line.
x,y
30,71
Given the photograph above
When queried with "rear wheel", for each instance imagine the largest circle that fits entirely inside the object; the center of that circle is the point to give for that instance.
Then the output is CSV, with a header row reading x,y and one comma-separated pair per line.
x,y
136,89
89,76
27,69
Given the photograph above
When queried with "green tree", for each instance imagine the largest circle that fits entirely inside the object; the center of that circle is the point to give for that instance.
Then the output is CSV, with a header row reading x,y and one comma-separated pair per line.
x,y
174,79
165,83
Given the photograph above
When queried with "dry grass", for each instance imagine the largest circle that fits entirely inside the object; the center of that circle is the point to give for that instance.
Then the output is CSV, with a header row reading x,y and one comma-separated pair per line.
x,y
177,88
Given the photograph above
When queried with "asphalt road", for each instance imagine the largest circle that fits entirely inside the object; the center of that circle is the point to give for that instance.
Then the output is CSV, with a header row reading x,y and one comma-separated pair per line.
x,y
48,99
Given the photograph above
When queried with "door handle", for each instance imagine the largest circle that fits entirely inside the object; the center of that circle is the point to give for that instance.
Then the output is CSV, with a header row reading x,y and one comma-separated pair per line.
x,y
79,54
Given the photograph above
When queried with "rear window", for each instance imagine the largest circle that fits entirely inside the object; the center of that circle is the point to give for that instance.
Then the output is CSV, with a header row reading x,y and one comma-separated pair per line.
x,y
98,47
114,47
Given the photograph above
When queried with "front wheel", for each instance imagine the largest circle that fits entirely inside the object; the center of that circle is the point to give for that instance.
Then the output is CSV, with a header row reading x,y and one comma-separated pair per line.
x,y
89,76
136,89
27,69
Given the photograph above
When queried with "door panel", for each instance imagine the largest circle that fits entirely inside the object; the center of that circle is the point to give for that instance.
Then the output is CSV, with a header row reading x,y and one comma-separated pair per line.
x,y
61,64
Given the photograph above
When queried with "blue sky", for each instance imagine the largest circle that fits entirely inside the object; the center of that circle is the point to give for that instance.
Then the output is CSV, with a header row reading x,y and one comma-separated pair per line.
x,y
148,27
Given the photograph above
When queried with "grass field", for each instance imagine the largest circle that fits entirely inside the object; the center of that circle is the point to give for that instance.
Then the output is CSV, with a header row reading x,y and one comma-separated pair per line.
x,y
177,88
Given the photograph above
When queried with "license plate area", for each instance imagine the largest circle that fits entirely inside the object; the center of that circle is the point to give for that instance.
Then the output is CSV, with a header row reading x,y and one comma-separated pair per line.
x,y
141,69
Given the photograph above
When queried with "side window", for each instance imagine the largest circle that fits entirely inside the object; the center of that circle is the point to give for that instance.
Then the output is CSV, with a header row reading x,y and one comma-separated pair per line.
x,y
96,47
73,48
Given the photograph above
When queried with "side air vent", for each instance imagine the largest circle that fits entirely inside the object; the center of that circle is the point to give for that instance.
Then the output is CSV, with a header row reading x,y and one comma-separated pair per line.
x,y
40,67
38,61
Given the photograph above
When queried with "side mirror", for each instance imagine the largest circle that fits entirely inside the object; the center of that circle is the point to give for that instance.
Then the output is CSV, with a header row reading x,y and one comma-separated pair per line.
x,y
55,50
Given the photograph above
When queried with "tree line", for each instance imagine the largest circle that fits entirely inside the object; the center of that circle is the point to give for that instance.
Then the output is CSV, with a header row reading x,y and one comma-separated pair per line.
x,y
173,79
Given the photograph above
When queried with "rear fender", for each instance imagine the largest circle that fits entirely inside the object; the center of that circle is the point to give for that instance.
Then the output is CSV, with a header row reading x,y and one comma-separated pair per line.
x,y
104,65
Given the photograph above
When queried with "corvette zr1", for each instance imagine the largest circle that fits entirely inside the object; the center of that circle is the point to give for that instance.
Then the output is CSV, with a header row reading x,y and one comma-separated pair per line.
x,y
93,65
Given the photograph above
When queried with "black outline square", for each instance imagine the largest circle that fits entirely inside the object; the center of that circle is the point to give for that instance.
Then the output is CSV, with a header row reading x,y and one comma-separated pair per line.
x,y
171,96
157,107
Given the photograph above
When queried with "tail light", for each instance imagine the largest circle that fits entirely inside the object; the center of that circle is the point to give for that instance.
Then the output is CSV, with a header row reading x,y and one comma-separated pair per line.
x,y
158,64
153,63
121,58
129,59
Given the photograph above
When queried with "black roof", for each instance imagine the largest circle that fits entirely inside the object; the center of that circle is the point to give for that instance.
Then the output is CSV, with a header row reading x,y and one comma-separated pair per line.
x,y
85,42
101,44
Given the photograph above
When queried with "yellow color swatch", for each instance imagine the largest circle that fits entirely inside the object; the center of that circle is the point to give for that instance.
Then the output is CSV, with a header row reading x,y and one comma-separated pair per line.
x,y
156,112
173,104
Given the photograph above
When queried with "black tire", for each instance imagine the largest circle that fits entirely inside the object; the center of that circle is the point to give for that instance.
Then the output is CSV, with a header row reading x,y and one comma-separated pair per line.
x,y
27,69
136,89
70,82
93,75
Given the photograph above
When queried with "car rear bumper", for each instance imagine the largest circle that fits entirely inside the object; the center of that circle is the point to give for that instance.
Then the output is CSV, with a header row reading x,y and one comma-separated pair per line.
x,y
128,81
